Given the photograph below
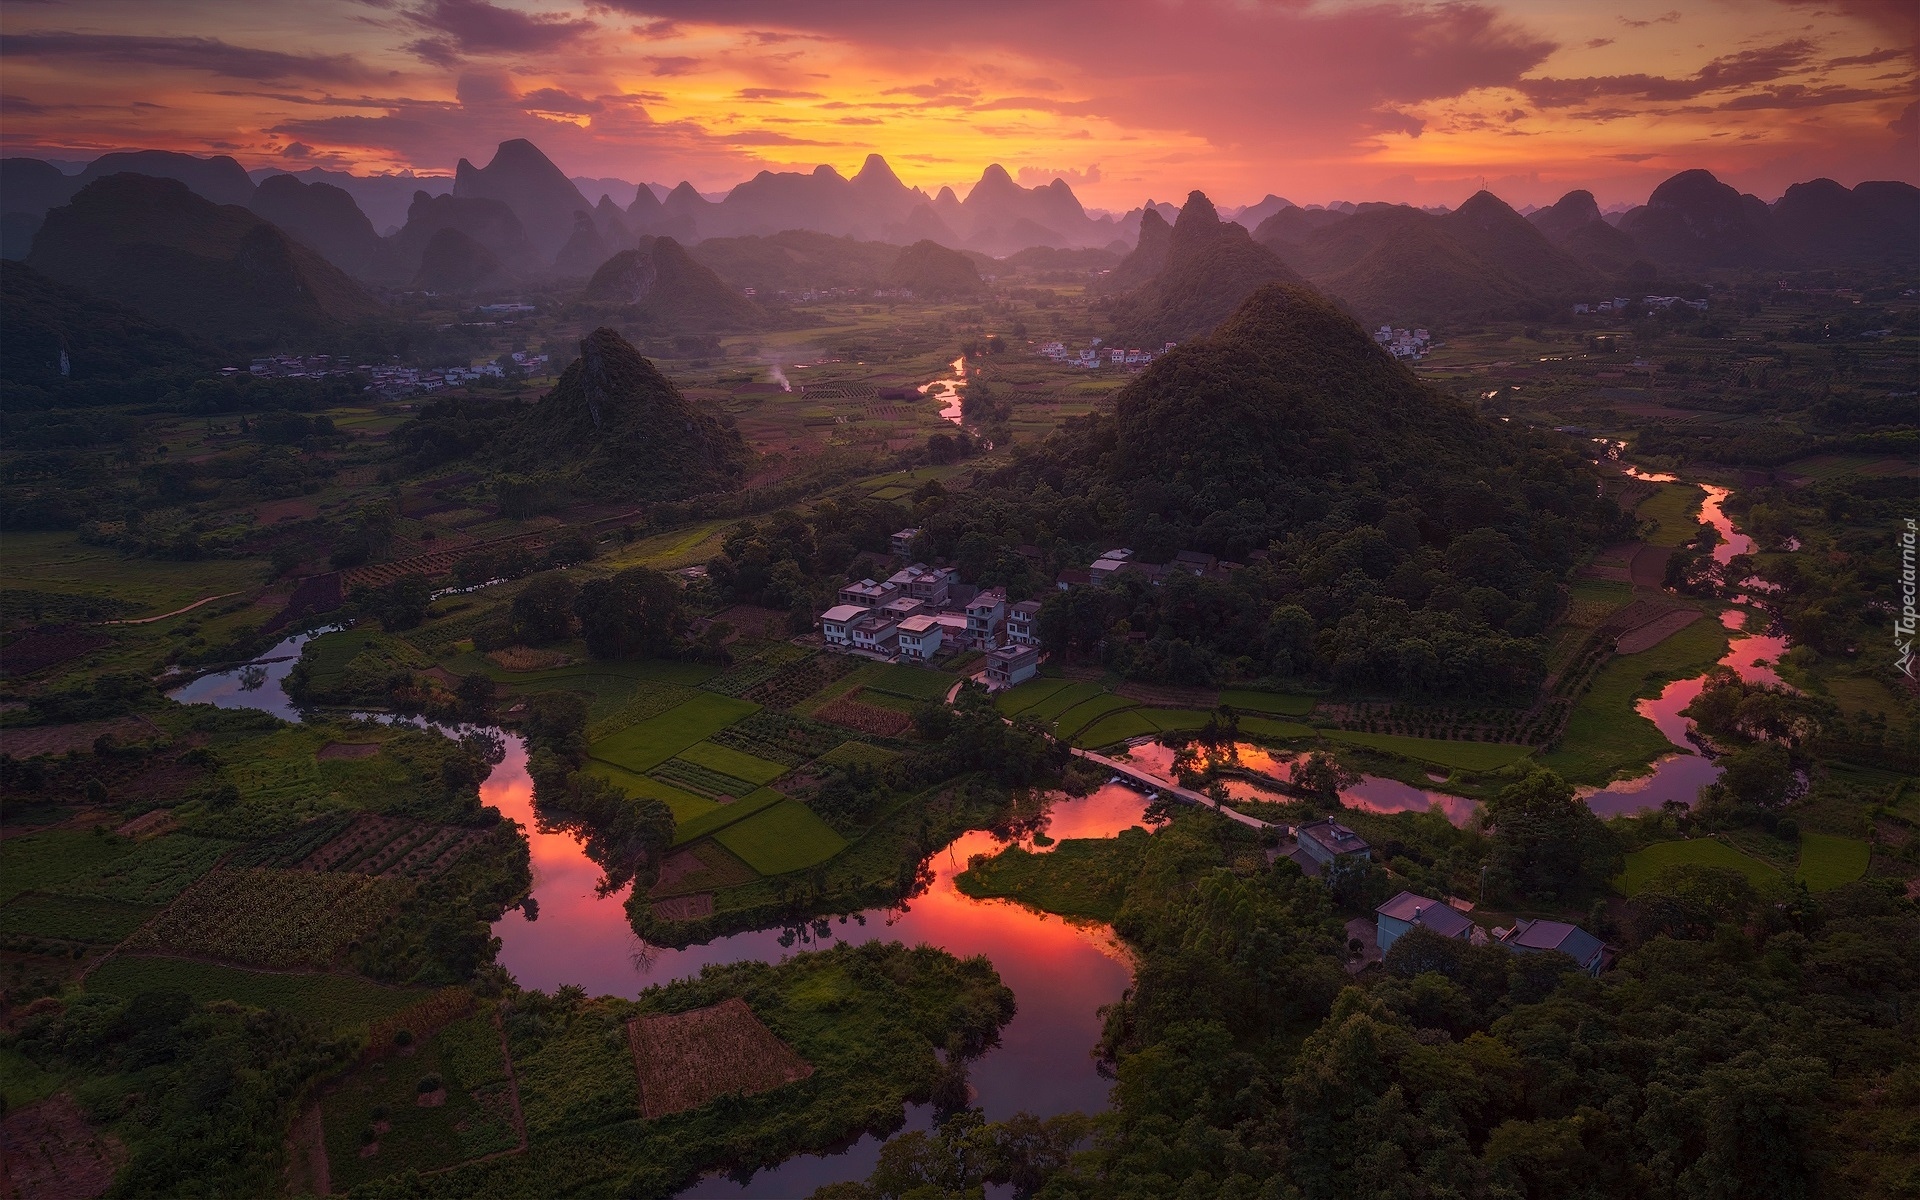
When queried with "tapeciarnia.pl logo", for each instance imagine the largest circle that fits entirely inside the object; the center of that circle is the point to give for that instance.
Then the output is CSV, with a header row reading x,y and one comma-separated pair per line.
x,y
1905,623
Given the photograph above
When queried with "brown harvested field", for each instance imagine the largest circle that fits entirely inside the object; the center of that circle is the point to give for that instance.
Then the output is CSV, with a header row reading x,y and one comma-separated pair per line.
x,y
48,1151
849,713
689,1059
684,908
1652,634
298,509
1650,566
146,825
335,750
58,739
704,866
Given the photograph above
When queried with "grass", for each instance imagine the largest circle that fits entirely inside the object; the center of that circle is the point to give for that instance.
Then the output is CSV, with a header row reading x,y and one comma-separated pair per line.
x,y
1079,877
1016,700
1674,508
733,762
782,837
1643,865
1279,704
1051,707
344,1001
719,816
1279,731
72,918
1828,860
59,562
1115,727
1604,735
1088,711
685,805
43,860
646,744
914,683
1467,756
848,754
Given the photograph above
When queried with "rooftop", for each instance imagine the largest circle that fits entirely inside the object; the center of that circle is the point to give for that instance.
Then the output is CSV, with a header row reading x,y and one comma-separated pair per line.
x,y
1426,912
843,612
1570,940
1013,653
1337,838
920,623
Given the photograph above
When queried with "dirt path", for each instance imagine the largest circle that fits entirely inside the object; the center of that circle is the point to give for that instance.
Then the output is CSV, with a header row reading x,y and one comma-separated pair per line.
x,y
176,612
310,1135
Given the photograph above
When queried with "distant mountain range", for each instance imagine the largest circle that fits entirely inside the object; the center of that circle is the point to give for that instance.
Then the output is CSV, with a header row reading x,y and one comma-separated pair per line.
x,y
520,220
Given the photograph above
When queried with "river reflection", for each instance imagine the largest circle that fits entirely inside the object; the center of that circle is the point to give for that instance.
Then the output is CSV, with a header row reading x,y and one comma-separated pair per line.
x,y
1374,793
256,685
947,390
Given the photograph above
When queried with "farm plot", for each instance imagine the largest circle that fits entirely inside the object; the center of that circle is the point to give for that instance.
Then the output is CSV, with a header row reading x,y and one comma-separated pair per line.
x,y
783,837
1016,700
1114,727
272,918
684,804
741,678
1827,861
850,713
70,919
858,754
716,817
1067,697
912,683
705,866
1467,756
341,1001
35,740
780,737
1085,713
375,845
72,863
686,1060
797,681
678,772
641,747
1643,865
732,762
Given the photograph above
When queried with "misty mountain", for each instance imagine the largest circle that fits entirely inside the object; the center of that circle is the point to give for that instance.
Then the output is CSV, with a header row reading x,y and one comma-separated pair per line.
x,y
616,428
1506,241
453,261
526,181
611,223
1147,258
219,179
321,215
1823,223
384,198
584,251
795,260
659,286
215,269
489,223
619,191
1251,216
1574,223
1694,220
1211,266
931,271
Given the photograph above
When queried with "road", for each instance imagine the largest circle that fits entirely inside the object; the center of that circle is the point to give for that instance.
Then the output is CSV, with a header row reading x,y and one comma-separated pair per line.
x,y
1129,771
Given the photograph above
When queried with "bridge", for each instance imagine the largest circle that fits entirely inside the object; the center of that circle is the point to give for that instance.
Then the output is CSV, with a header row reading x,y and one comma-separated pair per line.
x,y
1141,779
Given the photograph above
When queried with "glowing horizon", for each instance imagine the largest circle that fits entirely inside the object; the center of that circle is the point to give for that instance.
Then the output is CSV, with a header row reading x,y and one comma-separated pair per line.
x,y
1313,101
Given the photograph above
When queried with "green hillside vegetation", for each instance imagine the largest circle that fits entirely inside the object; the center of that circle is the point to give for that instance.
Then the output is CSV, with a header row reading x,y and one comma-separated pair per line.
x,y
796,259
218,270
659,286
105,342
616,427
932,271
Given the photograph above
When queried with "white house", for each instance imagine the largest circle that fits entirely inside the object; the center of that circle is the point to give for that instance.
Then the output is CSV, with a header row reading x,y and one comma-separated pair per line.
x,y
868,594
921,637
1023,623
876,633
1010,665
901,543
835,623
1407,910
986,613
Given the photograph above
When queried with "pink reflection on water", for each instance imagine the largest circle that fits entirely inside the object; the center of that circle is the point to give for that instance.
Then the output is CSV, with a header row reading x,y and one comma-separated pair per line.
x,y
1373,793
1061,972
1713,512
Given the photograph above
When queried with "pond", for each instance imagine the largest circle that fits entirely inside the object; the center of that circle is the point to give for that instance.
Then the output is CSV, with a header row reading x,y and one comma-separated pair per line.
x,y
1061,972
1373,793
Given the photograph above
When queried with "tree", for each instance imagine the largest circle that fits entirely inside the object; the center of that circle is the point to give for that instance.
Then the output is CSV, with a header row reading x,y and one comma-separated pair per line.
x,y
1323,777
556,723
543,611
399,605
1546,842
476,696
635,614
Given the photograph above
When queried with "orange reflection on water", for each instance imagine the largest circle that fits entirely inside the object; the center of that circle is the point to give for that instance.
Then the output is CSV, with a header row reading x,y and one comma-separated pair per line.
x,y
1373,793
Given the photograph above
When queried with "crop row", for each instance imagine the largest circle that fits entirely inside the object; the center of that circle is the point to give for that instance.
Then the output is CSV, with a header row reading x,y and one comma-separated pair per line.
x,y
797,738
272,918
849,712
704,780
795,683
741,678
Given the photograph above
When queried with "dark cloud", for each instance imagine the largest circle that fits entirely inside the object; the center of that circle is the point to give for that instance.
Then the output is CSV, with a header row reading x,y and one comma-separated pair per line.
x,y
671,64
1632,158
1596,43
210,55
657,30
557,100
1795,95
1872,58
461,27
1743,69
1906,126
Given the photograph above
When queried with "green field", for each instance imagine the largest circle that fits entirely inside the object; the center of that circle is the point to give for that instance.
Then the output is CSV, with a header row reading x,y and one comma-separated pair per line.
x,y
732,762
1080,877
1114,728
914,683
1675,510
59,562
1050,708
858,754
342,1000
646,744
1643,865
1266,727
1090,710
72,918
1827,860
1467,756
782,837
1279,704
685,805
718,816
1016,700
44,860
1604,735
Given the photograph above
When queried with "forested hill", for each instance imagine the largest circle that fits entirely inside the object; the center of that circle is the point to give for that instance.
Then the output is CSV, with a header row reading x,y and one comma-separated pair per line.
x,y
1419,545
615,427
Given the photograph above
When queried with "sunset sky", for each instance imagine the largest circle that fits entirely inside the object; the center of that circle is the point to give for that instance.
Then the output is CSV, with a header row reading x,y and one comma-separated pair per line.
x,y
1314,100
